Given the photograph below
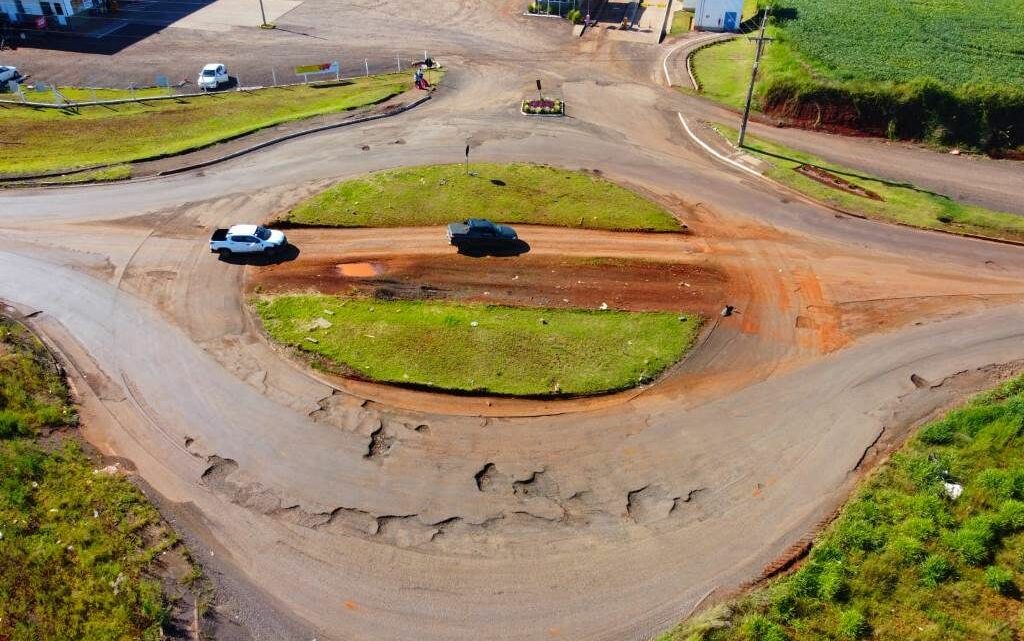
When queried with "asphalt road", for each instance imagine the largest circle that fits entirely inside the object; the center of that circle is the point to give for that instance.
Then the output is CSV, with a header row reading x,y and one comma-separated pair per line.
x,y
609,521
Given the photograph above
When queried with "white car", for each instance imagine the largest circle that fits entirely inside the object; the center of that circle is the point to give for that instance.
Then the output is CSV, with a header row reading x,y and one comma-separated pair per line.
x,y
212,76
8,73
247,239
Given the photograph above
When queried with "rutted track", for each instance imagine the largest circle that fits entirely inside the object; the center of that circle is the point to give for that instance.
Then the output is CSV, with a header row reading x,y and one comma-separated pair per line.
x,y
367,521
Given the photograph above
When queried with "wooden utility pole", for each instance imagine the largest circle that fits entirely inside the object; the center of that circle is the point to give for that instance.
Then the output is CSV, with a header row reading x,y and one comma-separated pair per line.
x,y
760,40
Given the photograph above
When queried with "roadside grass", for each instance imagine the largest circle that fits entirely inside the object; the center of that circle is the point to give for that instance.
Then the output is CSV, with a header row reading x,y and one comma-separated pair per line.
x,y
901,203
723,71
83,94
40,139
512,193
103,174
480,348
903,560
74,544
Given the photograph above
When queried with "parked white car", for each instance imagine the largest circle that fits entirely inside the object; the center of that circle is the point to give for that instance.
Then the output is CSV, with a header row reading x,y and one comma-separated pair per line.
x,y
8,73
247,239
212,76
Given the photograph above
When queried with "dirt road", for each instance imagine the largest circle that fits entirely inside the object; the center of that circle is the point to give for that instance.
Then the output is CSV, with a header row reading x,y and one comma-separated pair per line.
x,y
361,513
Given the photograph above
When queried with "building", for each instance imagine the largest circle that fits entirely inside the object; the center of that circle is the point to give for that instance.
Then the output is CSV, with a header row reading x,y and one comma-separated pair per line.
x,y
718,15
47,14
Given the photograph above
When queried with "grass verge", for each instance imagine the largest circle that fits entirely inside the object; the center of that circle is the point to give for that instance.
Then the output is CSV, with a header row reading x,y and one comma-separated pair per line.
x,y
513,193
723,71
35,140
900,203
903,560
74,545
480,348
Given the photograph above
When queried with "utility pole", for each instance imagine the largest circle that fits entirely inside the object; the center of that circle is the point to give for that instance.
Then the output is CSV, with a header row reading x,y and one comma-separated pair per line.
x,y
760,40
263,14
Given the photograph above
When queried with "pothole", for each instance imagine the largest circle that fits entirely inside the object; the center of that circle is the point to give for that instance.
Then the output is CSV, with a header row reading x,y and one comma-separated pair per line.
x,y
360,270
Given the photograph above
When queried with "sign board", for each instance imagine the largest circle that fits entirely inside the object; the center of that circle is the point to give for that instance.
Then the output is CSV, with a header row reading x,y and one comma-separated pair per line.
x,y
162,81
309,70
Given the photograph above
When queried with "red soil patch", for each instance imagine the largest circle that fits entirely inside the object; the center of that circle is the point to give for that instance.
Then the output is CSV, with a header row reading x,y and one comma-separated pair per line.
x,y
527,280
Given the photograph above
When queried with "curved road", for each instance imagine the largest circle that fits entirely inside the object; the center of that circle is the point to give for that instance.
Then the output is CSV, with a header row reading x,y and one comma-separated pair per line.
x,y
336,515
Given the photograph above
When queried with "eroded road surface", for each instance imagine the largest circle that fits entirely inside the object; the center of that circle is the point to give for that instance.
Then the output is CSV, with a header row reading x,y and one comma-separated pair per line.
x,y
343,510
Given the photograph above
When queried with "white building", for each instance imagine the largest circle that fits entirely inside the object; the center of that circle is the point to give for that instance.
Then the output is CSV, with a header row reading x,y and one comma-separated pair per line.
x,y
43,13
718,15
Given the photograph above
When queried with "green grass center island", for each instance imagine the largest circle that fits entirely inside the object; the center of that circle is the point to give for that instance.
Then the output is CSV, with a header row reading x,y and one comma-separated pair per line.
x,y
944,71
478,348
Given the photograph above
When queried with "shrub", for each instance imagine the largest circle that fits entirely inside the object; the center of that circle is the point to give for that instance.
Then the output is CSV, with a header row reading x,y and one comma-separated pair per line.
x,y
760,628
574,16
1010,517
935,569
905,549
832,582
1000,580
997,483
853,625
973,541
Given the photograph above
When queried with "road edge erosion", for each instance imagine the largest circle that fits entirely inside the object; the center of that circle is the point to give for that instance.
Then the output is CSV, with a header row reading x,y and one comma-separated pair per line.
x,y
940,518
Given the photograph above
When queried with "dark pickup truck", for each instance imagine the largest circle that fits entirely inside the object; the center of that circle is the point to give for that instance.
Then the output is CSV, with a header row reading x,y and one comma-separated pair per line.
x,y
480,232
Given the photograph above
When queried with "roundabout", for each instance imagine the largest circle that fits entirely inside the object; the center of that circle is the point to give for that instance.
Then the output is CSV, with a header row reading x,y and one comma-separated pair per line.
x,y
342,509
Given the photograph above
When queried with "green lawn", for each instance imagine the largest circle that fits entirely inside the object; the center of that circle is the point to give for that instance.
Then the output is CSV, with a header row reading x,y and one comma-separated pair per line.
x,y
480,348
515,193
40,139
68,535
903,560
723,71
902,203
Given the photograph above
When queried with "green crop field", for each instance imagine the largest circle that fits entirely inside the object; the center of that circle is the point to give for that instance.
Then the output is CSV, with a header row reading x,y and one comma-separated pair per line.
x,y
945,71
904,560
955,42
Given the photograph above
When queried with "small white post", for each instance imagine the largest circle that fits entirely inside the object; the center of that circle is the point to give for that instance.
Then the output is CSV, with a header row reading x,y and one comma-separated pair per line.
x,y
366,63
131,89
273,74
398,63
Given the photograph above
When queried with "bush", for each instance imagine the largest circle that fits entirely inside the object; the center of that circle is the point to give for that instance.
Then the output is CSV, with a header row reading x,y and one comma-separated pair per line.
x,y
574,16
985,116
760,628
1000,580
1010,517
973,541
935,569
905,549
832,582
853,625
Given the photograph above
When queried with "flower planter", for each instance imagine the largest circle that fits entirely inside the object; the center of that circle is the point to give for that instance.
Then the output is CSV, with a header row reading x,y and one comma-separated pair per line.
x,y
543,107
